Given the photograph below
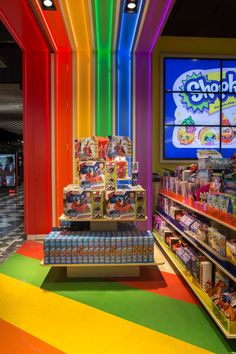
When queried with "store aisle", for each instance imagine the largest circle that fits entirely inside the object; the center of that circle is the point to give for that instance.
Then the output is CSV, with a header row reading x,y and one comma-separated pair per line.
x,y
43,311
11,223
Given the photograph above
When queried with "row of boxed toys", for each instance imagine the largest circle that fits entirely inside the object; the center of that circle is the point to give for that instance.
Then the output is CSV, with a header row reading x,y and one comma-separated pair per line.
x,y
105,175
122,203
65,247
195,263
211,181
195,227
220,288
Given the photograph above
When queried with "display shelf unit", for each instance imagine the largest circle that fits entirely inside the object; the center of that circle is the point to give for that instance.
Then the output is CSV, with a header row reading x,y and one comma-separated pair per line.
x,y
227,327
80,270
228,268
214,214
63,217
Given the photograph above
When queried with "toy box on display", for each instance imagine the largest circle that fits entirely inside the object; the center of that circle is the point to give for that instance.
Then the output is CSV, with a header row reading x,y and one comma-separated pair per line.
x,y
107,192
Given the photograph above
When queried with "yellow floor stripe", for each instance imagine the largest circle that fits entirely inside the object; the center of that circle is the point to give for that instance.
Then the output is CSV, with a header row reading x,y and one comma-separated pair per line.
x,y
76,328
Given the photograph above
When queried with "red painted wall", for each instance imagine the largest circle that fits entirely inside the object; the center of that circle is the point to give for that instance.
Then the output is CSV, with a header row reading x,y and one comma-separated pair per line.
x,y
21,23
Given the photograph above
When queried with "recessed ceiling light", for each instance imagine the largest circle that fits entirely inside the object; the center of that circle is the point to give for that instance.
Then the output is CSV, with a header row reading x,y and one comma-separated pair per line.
x,y
48,5
131,6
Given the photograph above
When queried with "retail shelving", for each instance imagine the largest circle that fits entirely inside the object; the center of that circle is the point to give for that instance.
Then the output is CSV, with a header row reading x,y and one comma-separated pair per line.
x,y
228,268
214,214
227,327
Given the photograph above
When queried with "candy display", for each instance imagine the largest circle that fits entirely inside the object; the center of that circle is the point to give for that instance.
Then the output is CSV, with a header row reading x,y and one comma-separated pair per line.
x,y
65,247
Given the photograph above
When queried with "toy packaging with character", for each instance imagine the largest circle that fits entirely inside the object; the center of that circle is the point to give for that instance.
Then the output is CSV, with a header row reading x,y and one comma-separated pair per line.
x,y
88,148
77,202
92,174
119,146
110,176
120,204
97,204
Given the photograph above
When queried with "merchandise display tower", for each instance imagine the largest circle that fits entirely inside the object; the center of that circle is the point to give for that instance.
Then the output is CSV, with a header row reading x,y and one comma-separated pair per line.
x,y
99,237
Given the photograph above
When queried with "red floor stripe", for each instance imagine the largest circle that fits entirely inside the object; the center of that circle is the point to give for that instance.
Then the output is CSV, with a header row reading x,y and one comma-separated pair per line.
x,y
14,340
31,249
161,283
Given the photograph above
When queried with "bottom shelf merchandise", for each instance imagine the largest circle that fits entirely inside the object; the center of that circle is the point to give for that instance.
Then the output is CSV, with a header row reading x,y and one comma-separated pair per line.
x,y
215,290
87,247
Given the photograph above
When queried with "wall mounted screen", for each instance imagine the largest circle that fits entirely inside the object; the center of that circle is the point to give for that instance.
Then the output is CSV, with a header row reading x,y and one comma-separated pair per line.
x,y
199,107
7,170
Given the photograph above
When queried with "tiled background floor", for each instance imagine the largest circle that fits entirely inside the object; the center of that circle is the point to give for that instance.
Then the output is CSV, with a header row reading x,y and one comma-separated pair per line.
x,y
11,223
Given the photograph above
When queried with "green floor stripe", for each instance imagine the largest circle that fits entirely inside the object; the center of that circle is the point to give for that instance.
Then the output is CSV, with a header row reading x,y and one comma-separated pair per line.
x,y
179,319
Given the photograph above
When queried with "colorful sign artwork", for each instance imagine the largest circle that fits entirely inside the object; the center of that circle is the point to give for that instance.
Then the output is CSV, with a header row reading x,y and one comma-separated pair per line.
x,y
200,107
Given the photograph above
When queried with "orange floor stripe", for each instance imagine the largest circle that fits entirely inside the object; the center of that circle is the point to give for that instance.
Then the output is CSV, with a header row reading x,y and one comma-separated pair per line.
x,y
161,283
14,340
31,249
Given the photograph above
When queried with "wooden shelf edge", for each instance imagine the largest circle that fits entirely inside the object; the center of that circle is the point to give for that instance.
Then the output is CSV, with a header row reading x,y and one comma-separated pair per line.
x,y
176,200
188,238
196,290
66,218
97,264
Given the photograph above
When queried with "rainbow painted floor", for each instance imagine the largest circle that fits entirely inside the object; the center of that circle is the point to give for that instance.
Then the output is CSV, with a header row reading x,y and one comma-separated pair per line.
x,y
42,311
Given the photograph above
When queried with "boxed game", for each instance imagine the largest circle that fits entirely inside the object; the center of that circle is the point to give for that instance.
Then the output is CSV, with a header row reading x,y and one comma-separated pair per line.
x,y
140,204
77,203
150,247
110,176
85,249
119,146
68,249
129,246
52,245
134,171
88,148
145,248
74,250
216,240
231,251
124,249
80,249
205,275
135,249
118,249
140,249
120,204
63,249
97,204
90,249
46,250
58,250
101,249
107,249
121,167
113,249
96,250
92,174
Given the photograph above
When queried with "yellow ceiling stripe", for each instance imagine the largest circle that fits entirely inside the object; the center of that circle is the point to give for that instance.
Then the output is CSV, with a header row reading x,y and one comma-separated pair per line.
x,y
77,328
77,19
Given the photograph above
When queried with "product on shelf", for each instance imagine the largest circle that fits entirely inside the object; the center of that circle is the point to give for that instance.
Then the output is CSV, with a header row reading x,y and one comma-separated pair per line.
x,y
88,148
97,204
64,247
216,240
77,202
121,167
92,174
231,251
119,146
205,275
140,203
110,176
120,204
134,171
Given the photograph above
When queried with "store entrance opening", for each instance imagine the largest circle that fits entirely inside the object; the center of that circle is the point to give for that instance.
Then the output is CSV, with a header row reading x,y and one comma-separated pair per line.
x,y
11,146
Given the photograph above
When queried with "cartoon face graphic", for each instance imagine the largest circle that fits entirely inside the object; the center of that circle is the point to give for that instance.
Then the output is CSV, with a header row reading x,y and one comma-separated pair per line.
x,y
227,135
185,137
208,136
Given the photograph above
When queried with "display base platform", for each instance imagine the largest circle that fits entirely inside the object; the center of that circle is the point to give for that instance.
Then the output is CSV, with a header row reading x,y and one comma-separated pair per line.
x,y
105,271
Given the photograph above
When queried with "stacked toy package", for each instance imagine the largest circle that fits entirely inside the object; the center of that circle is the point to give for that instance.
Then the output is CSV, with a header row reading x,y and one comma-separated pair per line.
x,y
74,247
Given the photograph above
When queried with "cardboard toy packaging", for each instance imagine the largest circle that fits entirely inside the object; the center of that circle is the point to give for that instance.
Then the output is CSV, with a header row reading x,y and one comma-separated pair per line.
x,y
231,251
74,250
119,146
97,204
110,176
129,245
205,275
140,203
216,240
120,204
92,174
86,249
96,250
121,168
102,147
77,202
80,250
124,248
88,148
107,249
102,249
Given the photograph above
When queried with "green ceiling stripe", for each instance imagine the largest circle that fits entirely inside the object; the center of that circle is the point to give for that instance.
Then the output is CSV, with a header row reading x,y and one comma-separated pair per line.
x,y
103,13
